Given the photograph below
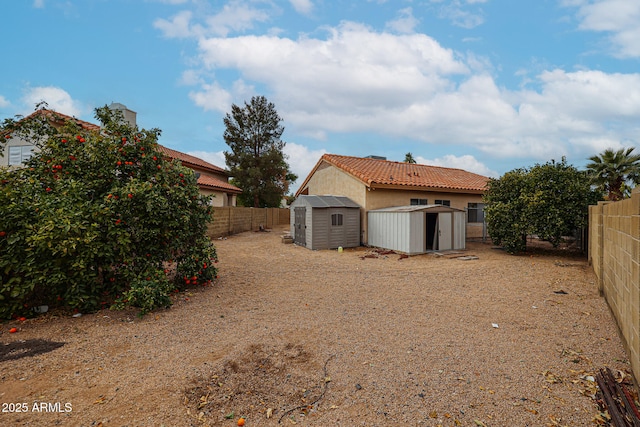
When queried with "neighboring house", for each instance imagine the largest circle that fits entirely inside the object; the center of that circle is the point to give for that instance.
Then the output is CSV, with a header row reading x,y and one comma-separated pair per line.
x,y
212,180
17,151
375,183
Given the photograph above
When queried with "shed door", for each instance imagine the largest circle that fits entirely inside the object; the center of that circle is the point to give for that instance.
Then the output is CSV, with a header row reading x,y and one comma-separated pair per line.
x,y
445,240
300,232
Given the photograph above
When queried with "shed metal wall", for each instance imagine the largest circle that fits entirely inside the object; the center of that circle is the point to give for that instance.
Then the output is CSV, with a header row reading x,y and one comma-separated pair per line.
x,y
399,231
404,229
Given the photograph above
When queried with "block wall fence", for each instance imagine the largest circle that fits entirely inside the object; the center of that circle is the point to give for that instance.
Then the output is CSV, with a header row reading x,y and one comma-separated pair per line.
x,y
614,254
232,220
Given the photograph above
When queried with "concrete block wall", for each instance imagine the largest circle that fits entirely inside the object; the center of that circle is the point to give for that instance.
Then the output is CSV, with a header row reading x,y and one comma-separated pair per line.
x,y
232,220
614,253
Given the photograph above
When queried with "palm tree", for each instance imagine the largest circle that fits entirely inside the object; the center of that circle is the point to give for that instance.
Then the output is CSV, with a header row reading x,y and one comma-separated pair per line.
x,y
612,170
408,158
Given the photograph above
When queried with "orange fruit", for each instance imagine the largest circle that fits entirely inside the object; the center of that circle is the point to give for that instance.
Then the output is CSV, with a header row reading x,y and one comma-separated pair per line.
x,y
241,422
13,330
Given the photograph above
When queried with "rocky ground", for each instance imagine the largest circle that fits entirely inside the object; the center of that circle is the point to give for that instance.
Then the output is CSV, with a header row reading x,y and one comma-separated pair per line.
x,y
293,336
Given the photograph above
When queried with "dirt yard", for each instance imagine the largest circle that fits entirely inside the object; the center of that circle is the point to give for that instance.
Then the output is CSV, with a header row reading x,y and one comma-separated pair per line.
x,y
293,336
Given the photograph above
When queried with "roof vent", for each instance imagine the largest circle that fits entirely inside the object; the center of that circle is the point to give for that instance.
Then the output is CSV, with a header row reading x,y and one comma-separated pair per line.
x,y
376,157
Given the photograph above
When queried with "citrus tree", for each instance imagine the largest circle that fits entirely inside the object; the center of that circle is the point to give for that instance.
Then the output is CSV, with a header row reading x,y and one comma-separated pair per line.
x,y
549,200
98,218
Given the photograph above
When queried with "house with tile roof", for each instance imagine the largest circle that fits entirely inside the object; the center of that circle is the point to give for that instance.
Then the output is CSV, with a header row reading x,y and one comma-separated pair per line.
x,y
212,180
376,183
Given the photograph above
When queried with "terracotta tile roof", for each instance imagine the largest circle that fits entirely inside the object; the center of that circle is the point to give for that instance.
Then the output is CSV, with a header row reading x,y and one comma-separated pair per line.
x,y
189,160
54,114
375,173
204,180
214,184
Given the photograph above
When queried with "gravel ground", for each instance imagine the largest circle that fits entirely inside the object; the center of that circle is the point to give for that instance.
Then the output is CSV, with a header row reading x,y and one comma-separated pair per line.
x,y
289,335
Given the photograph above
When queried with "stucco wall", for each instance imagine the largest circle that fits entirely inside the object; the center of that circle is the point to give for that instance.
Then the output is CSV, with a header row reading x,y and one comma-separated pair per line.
x,y
614,253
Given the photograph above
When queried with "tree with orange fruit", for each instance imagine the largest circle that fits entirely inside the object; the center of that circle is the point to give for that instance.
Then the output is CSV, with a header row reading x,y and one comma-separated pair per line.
x,y
98,218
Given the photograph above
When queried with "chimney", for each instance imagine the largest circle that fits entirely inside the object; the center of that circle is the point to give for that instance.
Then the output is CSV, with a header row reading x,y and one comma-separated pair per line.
x,y
128,115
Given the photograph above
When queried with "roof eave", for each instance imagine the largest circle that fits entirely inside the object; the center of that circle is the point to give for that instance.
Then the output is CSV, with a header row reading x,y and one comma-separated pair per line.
x,y
375,185
214,187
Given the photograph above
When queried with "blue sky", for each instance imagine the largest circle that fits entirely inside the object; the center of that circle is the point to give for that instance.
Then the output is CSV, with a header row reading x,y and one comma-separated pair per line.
x,y
483,85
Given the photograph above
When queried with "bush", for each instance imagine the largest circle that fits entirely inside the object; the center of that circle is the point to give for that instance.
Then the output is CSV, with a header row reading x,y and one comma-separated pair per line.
x,y
550,200
98,218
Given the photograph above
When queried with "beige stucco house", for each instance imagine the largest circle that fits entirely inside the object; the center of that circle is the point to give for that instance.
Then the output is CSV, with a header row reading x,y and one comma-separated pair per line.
x,y
212,180
375,183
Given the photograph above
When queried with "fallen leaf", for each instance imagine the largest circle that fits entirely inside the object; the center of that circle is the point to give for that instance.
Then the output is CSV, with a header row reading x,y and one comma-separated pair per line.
x,y
100,400
269,412
479,423
433,414
552,378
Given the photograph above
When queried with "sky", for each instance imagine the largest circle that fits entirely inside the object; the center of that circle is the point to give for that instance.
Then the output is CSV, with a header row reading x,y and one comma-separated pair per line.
x,y
483,85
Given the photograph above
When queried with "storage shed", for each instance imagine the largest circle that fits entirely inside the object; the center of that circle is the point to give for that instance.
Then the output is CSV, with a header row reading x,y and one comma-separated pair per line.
x,y
325,222
417,229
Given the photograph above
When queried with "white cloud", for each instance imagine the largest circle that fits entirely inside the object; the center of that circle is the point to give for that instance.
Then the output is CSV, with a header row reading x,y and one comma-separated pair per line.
x,y
191,78
301,160
236,16
304,7
177,27
460,15
619,18
354,69
56,98
212,97
38,4
215,158
466,162
405,23
4,102
408,86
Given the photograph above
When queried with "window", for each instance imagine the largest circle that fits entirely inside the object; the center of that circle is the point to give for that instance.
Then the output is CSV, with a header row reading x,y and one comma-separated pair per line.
x,y
443,202
475,212
19,154
415,202
336,219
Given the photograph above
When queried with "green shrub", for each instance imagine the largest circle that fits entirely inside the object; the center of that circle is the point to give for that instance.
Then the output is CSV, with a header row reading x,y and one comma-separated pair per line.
x,y
98,218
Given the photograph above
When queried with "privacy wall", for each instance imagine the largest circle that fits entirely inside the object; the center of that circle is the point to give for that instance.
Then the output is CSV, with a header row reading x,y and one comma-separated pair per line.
x,y
614,253
232,220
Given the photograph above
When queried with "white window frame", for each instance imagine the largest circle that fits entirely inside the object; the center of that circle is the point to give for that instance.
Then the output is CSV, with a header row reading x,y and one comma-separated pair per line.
x,y
19,154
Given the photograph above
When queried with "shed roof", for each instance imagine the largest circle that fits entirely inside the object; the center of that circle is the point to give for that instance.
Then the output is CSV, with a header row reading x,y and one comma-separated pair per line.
x,y
328,201
418,208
